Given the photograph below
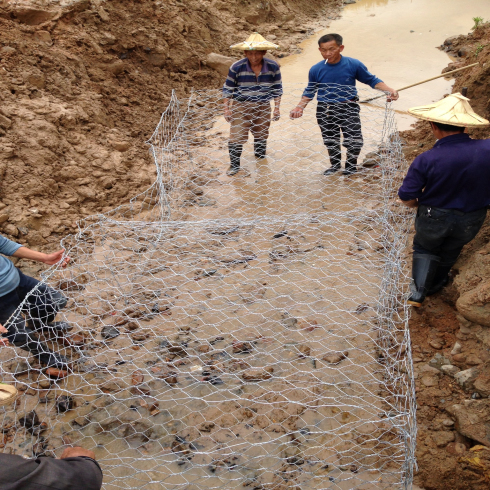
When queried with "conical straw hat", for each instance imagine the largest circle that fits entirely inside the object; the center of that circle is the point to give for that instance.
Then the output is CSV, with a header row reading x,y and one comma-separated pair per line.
x,y
255,42
8,394
453,109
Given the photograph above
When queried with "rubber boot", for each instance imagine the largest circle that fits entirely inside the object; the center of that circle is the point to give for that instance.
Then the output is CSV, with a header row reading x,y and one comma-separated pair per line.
x,y
335,159
441,278
260,148
350,164
21,336
235,151
424,267
55,302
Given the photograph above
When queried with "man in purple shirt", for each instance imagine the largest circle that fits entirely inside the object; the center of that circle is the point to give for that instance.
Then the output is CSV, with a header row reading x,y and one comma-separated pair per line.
x,y
450,187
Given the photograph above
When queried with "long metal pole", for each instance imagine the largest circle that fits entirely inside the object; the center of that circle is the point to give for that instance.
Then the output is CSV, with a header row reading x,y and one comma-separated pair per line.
x,y
420,83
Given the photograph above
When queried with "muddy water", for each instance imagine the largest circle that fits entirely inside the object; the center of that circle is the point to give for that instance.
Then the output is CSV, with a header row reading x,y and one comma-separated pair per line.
x,y
378,32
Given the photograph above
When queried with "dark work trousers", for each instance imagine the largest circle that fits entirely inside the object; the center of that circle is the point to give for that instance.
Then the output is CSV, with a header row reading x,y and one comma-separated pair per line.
x,y
444,232
336,118
77,473
41,305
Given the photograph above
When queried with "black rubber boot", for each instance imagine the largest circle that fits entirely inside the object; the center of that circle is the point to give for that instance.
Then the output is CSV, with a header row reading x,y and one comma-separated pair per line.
x,y
335,159
350,165
260,148
235,151
441,278
424,267
21,336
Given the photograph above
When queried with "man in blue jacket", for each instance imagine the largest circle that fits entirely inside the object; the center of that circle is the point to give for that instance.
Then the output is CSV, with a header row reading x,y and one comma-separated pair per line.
x,y
450,187
42,303
334,83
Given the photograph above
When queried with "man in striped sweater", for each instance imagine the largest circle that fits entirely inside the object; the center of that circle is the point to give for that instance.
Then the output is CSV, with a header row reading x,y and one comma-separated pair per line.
x,y
249,88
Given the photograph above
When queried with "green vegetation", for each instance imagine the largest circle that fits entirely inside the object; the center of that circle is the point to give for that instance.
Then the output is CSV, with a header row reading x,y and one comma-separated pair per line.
x,y
478,22
479,49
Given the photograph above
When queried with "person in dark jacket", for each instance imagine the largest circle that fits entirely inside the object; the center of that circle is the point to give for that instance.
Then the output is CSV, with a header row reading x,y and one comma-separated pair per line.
x,y
76,469
333,81
42,303
450,187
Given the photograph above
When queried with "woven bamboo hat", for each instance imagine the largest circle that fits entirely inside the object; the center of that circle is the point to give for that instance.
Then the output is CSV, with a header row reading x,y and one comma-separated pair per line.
x,y
453,109
255,42
8,394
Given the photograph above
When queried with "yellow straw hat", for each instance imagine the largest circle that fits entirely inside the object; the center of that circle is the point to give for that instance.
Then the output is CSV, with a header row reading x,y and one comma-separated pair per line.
x,y
255,42
453,109
8,394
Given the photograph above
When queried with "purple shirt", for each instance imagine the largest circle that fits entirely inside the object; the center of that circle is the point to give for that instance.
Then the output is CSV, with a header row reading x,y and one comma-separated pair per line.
x,y
454,174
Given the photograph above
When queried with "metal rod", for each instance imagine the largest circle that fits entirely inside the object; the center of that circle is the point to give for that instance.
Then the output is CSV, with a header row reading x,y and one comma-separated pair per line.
x,y
420,83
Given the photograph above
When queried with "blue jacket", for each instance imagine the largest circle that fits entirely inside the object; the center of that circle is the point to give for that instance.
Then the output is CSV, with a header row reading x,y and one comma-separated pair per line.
x,y
337,82
9,277
454,174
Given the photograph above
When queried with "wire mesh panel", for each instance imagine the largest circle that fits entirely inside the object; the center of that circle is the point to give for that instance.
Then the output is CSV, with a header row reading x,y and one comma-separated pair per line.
x,y
232,331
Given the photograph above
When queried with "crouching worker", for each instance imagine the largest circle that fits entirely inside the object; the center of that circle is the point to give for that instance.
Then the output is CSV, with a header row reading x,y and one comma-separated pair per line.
x,y
42,303
75,470
248,90
450,187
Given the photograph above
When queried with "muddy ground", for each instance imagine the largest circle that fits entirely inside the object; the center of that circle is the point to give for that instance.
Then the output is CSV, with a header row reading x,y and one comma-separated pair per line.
x,y
82,87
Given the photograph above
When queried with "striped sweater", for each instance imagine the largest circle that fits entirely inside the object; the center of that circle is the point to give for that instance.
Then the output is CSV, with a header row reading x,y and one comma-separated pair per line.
x,y
243,85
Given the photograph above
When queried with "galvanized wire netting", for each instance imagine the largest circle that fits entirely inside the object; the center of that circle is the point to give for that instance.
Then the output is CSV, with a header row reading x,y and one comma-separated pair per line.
x,y
234,331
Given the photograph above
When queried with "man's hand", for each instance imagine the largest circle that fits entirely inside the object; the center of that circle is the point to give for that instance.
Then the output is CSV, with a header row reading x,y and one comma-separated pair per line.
x,y
413,203
296,113
73,452
277,114
393,95
227,114
3,341
56,257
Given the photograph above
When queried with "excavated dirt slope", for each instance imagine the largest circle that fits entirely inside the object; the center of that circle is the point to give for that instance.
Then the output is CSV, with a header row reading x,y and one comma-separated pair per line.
x,y
83,84
453,327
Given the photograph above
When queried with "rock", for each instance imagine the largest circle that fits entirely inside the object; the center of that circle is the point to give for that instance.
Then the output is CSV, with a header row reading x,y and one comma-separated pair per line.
x,y
219,63
349,2
64,403
450,370
335,357
448,423
303,351
137,378
34,16
142,389
11,230
30,421
438,361
103,14
435,344
450,40
473,360
80,422
459,358
121,146
290,322
19,367
257,374
43,37
113,386
5,122
44,384
456,448
109,332
242,347
170,377
474,305
56,373
473,419
456,349
429,380
3,217
7,50
482,382
467,377
177,350
464,51
442,438
139,336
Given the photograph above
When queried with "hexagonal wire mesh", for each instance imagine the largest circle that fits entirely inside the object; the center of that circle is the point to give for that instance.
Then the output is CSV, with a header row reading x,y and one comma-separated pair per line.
x,y
233,331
